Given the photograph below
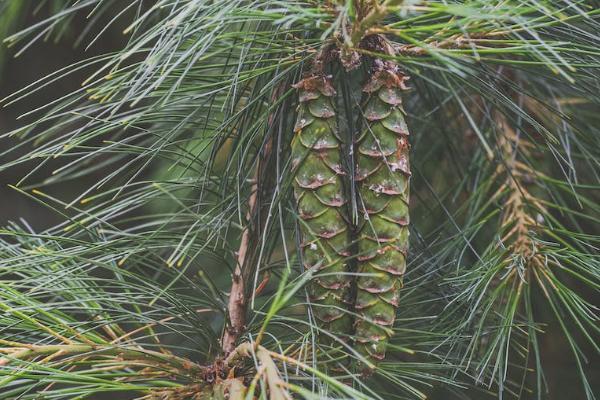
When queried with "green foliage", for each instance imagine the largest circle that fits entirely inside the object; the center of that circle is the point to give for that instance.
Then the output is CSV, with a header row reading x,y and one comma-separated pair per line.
x,y
11,13
128,295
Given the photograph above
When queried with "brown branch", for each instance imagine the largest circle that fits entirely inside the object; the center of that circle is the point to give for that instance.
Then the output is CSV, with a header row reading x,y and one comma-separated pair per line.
x,y
24,351
518,176
238,299
454,42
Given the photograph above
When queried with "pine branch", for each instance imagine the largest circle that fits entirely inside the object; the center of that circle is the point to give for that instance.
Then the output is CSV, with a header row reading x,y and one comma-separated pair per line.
x,y
236,309
251,233
518,176
455,42
189,96
529,253
24,352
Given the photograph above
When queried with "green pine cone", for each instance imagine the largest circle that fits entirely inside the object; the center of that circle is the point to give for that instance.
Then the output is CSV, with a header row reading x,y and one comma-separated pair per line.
x,y
320,199
382,176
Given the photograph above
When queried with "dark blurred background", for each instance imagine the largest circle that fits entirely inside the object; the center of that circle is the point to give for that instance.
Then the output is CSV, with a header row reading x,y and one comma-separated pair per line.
x,y
47,56
42,58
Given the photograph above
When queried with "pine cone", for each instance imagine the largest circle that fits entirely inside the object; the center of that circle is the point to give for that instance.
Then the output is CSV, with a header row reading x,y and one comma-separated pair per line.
x,y
383,174
319,194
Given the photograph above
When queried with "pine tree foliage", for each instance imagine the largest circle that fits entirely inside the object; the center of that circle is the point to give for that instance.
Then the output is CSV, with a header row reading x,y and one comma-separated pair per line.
x,y
193,157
